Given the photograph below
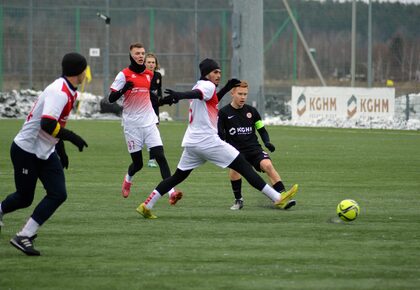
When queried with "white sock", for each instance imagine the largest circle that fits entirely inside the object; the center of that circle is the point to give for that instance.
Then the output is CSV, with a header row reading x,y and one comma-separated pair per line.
x,y
271,193
170,192
30,229
152,199
128,178
1,211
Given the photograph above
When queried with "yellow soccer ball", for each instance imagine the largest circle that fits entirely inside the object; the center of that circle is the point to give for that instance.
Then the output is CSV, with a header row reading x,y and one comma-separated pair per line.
x,y
348,210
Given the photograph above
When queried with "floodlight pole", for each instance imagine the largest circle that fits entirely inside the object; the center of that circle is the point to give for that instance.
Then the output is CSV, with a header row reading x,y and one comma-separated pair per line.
x,y
107,20
305,45
369,68
353,43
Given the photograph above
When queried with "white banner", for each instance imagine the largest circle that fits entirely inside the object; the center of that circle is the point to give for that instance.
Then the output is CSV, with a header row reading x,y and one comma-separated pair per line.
x,y
309,103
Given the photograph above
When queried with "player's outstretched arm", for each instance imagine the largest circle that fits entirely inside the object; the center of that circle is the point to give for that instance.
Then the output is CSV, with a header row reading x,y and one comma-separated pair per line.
x,y
229,85
52,127
172,97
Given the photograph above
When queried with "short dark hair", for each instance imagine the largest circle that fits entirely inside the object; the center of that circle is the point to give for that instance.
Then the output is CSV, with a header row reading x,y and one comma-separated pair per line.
x,y
136,44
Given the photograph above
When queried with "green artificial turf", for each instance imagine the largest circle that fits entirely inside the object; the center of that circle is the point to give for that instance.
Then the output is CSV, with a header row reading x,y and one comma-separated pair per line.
x,y
96,240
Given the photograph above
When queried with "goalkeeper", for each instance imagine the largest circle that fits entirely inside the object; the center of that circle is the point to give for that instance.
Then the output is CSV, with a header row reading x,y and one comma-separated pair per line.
x,y
237,125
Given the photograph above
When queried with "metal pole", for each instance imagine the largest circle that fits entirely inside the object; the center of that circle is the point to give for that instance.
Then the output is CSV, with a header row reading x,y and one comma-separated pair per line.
x,y
305,45
106,60
30,46
369,68
197,50
353,43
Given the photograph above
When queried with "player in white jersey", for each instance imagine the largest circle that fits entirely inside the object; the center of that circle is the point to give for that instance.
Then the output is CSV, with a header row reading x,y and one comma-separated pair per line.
x,y
139,118
201,142
37,152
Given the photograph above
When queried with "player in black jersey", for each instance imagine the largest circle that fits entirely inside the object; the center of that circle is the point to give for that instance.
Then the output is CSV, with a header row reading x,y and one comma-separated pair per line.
x,y
237,125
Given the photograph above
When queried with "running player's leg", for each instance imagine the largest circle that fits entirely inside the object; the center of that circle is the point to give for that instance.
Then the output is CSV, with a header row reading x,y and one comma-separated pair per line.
x,y
236,183
26,175
189,160
159,155
134,140
267,166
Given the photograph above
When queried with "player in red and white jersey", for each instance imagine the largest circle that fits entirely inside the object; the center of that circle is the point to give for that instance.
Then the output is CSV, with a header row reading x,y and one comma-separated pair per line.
x,y
38,152
139,118
202,143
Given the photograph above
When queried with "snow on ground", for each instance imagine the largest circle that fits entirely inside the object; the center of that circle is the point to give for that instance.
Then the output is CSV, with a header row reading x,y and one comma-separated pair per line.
x,y
17,104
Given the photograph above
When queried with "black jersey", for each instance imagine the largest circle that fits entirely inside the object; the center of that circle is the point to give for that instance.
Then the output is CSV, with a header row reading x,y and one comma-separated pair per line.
x,y
237,127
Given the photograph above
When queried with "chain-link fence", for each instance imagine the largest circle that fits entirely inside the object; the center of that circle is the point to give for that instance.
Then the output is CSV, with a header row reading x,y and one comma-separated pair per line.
x,y
34,35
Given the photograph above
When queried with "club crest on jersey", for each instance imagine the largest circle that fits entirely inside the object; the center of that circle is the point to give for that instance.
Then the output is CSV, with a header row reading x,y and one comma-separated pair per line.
x,y
249,115
148,78
133,76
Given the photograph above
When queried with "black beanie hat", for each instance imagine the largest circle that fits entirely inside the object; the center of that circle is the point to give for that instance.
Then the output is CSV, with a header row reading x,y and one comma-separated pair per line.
x,y
207,66
73,64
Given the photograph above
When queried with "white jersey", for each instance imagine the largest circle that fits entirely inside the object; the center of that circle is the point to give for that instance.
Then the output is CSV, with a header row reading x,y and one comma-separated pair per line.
x,y
202,127
137,107
55,102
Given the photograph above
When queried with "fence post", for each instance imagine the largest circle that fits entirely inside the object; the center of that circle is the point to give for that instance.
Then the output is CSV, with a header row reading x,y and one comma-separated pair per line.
x,y
407,107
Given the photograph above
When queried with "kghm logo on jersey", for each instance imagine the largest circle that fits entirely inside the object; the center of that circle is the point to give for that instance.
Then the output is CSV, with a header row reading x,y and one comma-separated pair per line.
x,y
351,106
240,131
301,105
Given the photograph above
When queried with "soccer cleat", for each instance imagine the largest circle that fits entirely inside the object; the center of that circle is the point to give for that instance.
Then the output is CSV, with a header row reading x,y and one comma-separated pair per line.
x,y
125,188
174,197
25,244
145,212
290,204
152,163
286,197
239,204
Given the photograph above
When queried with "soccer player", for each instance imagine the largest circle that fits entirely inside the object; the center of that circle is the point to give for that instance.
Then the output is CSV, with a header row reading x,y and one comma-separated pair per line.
x,y
38,152
155,94
202,143
237,125
139,118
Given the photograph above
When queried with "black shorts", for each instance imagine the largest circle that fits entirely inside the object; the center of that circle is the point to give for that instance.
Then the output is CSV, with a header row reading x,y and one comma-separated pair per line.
x,y
255,157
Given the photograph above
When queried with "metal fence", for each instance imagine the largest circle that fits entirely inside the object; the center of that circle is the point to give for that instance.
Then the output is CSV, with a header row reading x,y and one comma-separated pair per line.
x,y
34,35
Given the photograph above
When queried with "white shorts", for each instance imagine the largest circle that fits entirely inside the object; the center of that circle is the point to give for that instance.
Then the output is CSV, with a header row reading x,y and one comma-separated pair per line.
x,y
136,138
222,154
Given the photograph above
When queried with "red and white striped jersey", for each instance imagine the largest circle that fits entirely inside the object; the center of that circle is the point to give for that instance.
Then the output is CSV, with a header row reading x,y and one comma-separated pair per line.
x,y
137,107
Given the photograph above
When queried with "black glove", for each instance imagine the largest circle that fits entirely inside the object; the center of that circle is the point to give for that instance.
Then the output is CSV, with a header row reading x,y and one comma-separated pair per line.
x,y
128,86
68,135
270,146
232,83
229,85
61,152
171,97
165,101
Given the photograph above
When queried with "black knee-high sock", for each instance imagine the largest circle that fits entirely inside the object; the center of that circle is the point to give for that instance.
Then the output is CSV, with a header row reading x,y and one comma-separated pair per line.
x,y
137,163
159,155
241,166
279,186
237,188
172,181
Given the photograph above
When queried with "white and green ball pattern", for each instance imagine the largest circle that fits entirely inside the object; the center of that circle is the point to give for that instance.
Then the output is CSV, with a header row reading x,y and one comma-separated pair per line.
x,y
348,210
